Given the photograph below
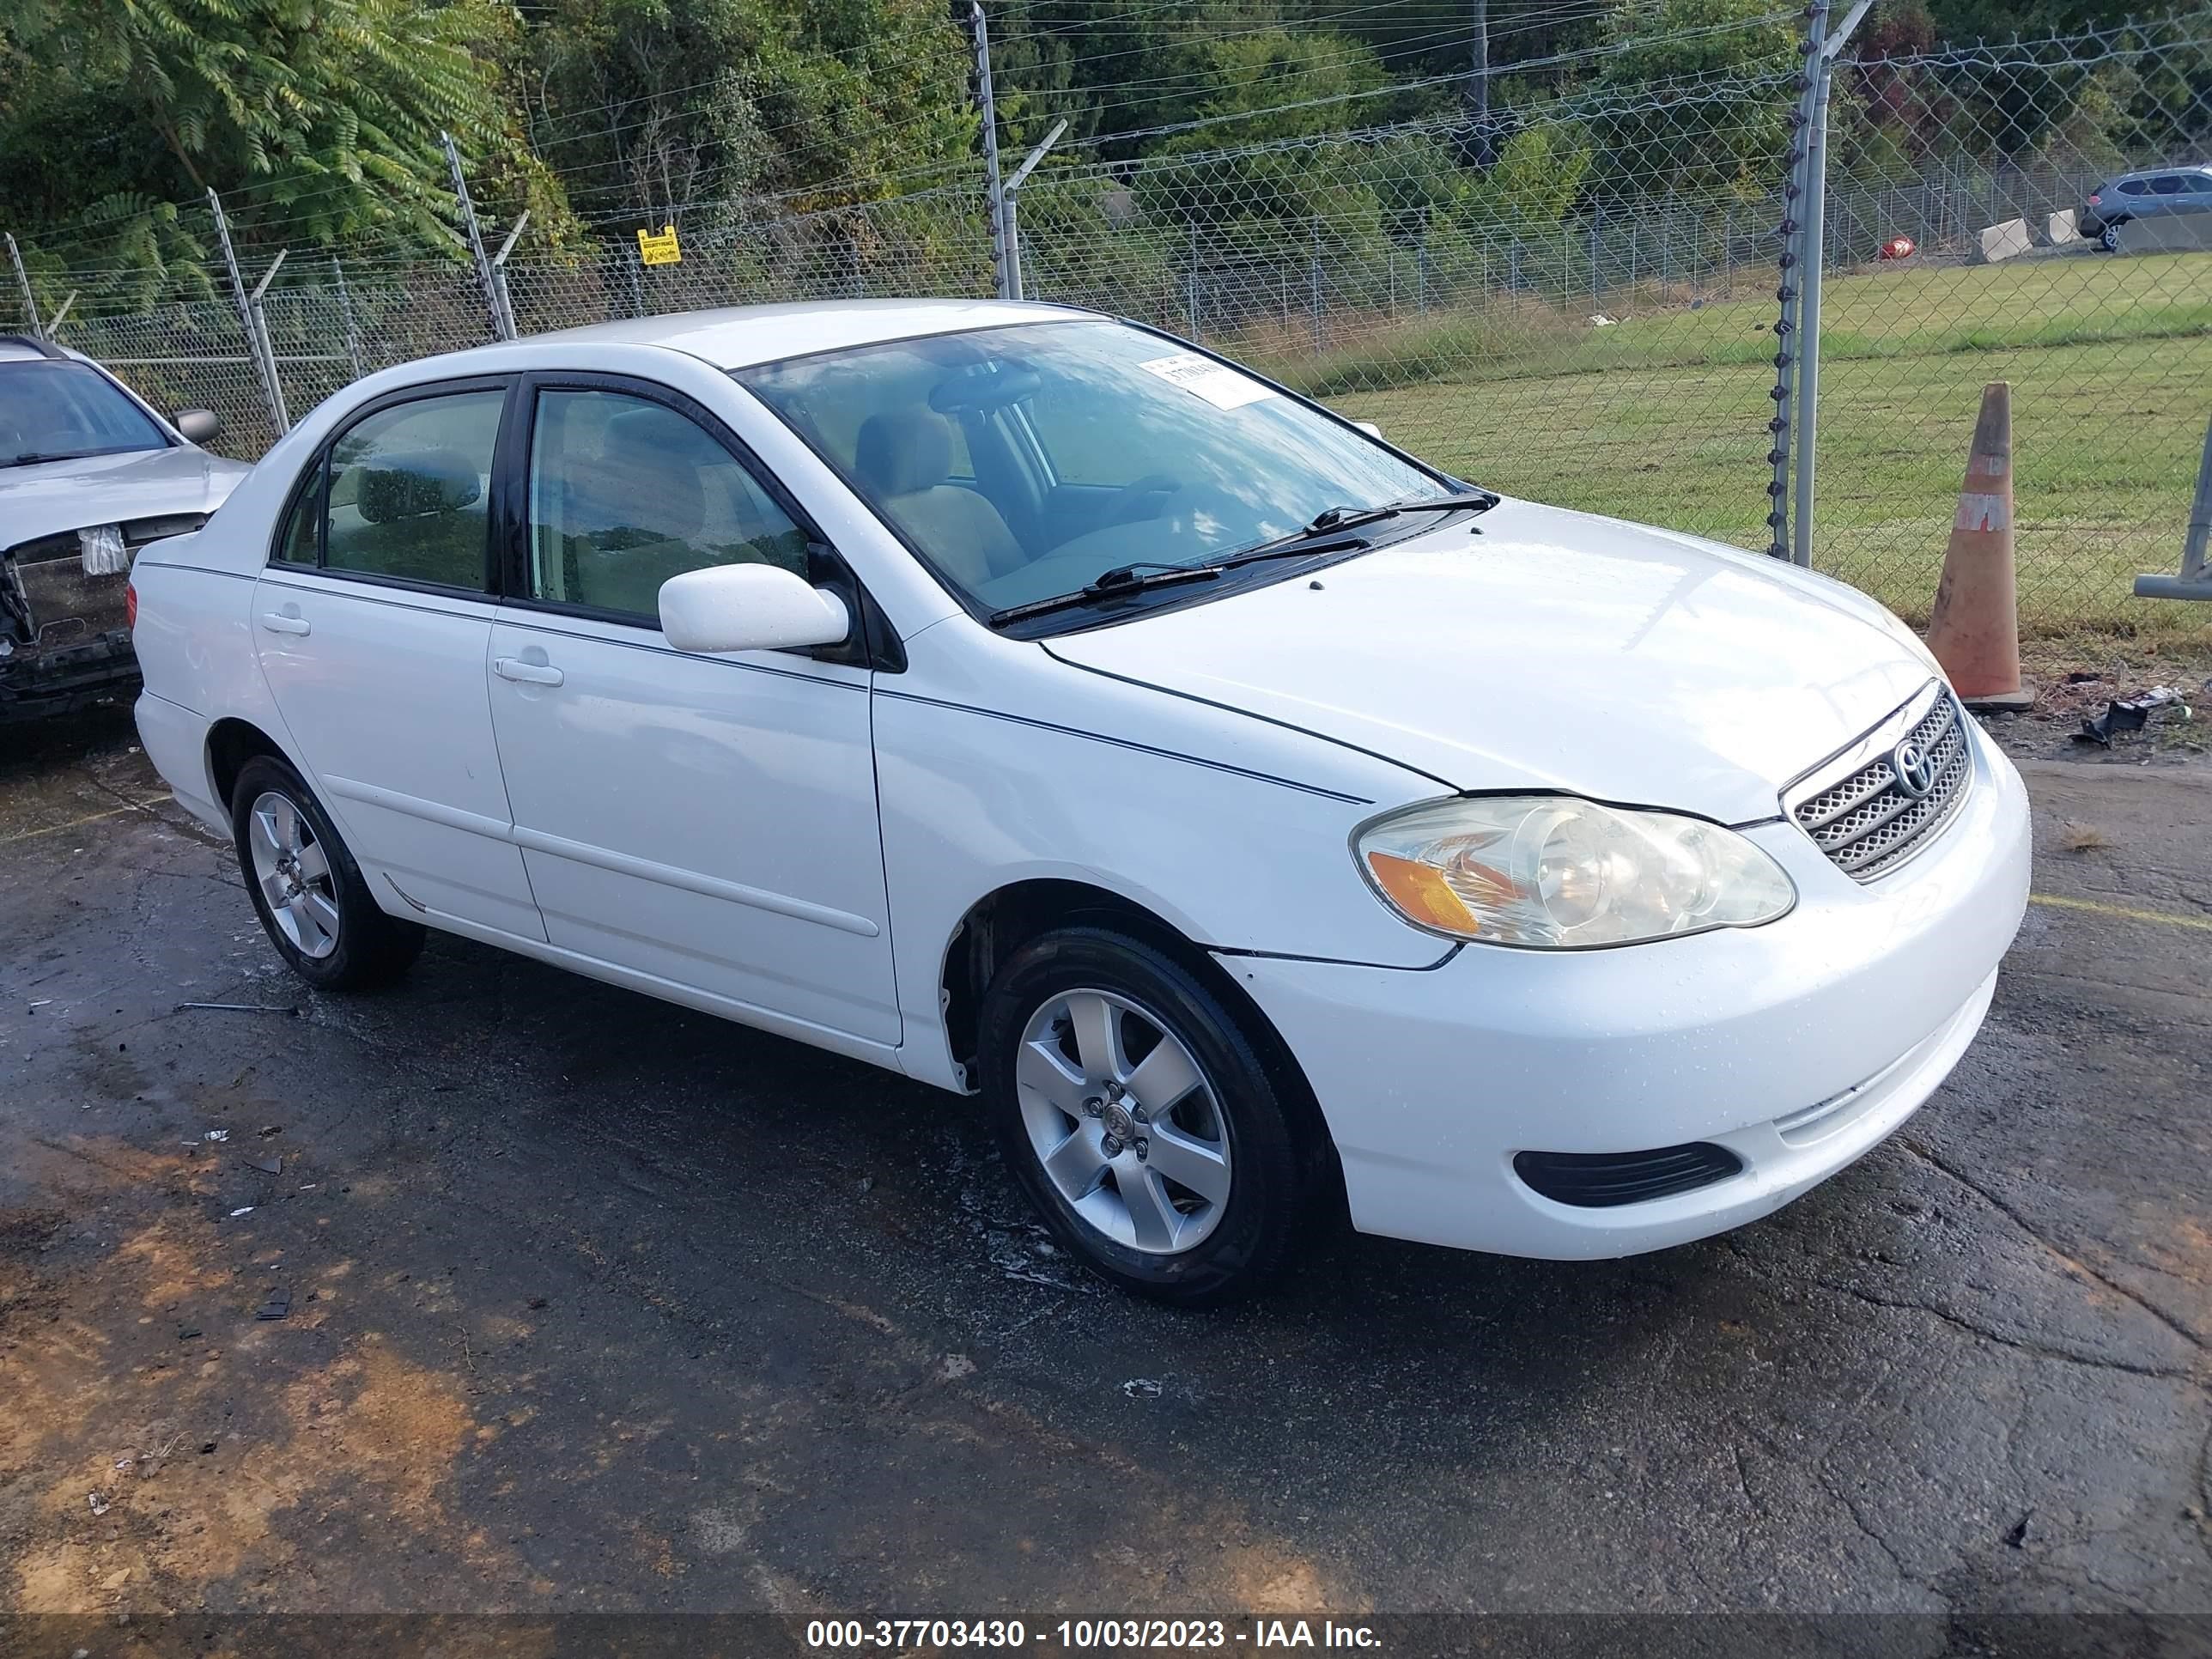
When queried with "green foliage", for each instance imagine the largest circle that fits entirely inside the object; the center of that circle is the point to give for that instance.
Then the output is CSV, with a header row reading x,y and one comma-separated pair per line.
x,y
318,120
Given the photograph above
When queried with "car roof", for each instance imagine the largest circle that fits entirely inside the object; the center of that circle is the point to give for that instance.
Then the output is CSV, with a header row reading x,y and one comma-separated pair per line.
x,y
739,337
2177,166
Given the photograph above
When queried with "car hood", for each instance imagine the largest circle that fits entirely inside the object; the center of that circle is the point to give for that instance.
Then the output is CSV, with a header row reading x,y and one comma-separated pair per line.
x,y
53,497
1547,649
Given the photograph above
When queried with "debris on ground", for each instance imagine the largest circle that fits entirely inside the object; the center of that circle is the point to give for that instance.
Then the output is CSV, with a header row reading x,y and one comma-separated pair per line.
x,y
243,1209
2082,837
2130,715
241,1007
266,1165
278,1306
218,1135
1141,1387
98,1500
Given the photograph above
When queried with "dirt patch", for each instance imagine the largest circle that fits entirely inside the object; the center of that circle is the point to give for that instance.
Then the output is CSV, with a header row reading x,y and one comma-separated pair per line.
x,y
164,1450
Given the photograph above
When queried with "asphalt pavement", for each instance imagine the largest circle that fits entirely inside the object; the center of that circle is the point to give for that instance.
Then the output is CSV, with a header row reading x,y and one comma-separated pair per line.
x,y
505,1291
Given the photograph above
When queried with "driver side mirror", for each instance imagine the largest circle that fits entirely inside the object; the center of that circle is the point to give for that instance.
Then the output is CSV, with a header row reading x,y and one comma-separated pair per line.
x,y
197,426
749,607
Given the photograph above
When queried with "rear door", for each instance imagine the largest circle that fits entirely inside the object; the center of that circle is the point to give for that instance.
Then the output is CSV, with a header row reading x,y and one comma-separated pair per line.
x,y
372,620
707,822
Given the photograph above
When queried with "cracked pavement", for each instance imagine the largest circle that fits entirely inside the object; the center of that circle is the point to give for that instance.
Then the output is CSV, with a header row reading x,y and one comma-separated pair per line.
x,y
598,1304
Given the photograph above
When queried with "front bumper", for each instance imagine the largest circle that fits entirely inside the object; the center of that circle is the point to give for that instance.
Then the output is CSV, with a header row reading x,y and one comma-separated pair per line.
x,y
1862,1000
36,683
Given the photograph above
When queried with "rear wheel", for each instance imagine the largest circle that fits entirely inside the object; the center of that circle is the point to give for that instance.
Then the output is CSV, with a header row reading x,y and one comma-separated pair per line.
x,y
1138,1114
312,898
2108,238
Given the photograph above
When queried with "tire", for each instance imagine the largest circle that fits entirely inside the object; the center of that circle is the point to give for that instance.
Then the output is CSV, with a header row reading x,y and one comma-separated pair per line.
x,y
1105,1148
2108,238
333,934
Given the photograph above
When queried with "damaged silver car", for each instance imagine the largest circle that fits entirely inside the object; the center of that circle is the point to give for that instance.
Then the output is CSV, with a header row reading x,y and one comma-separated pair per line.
x,y
88,475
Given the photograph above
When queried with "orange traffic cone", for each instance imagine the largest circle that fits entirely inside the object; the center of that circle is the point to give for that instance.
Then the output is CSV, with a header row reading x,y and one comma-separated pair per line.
x,y
1974,630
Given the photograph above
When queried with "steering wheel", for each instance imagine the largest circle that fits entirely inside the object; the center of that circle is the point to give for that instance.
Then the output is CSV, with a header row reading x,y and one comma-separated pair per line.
x,y
1131,505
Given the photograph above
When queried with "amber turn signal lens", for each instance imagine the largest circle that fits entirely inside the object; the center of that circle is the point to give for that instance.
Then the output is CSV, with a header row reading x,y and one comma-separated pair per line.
x,y
1420,890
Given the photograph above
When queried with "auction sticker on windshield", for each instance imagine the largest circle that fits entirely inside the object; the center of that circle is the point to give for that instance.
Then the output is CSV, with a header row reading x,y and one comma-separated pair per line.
x,y
1218,384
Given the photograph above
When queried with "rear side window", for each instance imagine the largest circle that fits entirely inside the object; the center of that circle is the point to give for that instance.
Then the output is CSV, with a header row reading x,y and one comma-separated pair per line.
x,y
301,542
2167,184
408,491
2132,187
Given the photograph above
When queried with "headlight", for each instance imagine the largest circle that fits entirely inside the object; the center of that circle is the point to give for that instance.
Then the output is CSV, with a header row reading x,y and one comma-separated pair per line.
x,y
103,550
1555,872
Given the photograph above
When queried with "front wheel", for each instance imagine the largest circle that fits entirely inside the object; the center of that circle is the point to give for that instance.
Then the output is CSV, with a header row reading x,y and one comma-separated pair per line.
x,y
1139,1115
313,900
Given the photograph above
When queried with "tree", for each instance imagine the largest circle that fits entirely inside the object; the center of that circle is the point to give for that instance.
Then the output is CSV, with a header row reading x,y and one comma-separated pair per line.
x,y
318,120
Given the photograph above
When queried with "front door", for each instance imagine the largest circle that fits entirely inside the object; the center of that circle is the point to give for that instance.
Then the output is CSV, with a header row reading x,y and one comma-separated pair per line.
x,y
371,620
710,821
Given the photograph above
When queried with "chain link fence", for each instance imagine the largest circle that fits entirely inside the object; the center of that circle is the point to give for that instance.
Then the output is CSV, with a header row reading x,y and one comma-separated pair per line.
x,y
1576,301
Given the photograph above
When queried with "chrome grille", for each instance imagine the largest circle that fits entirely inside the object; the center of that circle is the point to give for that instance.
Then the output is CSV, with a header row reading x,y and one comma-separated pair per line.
x,y
1867,823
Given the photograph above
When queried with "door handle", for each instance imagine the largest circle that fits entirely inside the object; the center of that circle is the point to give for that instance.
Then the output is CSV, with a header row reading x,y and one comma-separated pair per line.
x,y
276,623
529,673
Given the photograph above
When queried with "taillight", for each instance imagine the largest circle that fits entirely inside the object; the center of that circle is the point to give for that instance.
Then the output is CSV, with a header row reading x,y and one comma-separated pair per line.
x,y
130,606
2094,198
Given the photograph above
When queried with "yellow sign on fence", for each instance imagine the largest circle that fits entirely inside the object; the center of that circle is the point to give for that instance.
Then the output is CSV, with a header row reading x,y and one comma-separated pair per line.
x,y
659,249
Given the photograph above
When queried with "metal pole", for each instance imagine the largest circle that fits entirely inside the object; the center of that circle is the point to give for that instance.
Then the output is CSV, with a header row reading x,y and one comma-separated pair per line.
x,y
502,300
23,281
1787,291
475,236
1002,255
1812,265
1814,257
54,322
268,352
1010,194
345,311
1477,88
1313,280
2193,582
272,395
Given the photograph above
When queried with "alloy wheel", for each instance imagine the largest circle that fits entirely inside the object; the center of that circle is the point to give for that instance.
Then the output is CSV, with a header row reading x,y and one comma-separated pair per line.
x,y
1126,1126
293,871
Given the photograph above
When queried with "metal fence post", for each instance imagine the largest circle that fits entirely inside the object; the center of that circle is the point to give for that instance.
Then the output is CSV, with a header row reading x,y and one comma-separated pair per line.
x,y
502,302
2194,581
1814,263
345,314
1010,211
272,395
23,281
268,351
1002,254
1313,281
484,280
1190,301
1787,291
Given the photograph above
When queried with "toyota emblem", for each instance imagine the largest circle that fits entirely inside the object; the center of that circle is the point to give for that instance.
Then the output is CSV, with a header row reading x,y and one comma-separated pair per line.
x,y
1915,767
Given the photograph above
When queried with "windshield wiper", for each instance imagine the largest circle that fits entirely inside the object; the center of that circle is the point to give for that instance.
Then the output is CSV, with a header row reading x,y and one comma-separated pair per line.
x,y
1333,518
1310,542
1111,584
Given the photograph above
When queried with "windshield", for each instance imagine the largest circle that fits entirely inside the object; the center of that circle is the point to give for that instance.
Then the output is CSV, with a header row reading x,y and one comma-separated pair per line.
x,y
1025,462
59,412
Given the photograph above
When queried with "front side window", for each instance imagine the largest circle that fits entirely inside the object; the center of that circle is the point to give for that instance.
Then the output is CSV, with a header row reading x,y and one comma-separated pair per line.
x,y
1090,446
65,411
625,493
409,488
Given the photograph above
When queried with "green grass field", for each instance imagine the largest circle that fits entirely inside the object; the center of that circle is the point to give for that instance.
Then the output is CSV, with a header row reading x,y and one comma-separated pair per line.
x,y
1662,417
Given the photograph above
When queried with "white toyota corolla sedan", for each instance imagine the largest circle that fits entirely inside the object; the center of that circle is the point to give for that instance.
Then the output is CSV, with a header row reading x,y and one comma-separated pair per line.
x,y
1258,819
